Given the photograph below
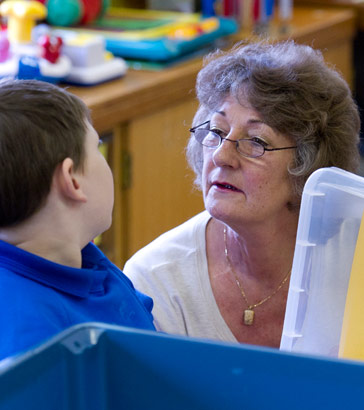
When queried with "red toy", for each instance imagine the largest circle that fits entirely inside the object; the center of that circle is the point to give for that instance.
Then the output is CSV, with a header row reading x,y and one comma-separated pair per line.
x,y
51,47
91,10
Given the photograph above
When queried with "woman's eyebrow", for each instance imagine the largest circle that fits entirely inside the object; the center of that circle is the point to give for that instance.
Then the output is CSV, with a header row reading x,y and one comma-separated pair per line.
x,y
250,122
256,121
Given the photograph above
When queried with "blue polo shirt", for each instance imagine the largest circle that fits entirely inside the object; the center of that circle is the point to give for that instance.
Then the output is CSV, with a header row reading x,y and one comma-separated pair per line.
x,y
39,298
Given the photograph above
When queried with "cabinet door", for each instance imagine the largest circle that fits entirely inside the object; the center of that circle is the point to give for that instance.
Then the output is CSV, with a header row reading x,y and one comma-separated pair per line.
x,y
161,194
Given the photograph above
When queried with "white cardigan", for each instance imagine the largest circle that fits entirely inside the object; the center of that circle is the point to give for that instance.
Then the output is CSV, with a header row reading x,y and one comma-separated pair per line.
x,y
173,271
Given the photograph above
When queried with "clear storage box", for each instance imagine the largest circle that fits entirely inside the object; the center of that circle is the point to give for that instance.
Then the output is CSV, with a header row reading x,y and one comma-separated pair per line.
x,y
330,217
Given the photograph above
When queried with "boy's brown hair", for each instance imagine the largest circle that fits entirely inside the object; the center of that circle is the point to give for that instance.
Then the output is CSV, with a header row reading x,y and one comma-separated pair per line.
x,y
40,125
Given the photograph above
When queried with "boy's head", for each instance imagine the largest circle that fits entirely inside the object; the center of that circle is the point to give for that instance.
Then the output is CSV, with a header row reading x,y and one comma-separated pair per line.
x,y
40,125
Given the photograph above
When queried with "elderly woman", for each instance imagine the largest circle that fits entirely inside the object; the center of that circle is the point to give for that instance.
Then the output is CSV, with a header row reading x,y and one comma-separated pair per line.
x,y
270,115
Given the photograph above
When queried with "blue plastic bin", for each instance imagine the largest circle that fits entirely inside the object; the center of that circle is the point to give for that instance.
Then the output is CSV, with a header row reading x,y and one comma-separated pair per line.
x,y
95,367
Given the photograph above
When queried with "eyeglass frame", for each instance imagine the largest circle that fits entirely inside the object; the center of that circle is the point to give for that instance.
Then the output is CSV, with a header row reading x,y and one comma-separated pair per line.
x,y
193,129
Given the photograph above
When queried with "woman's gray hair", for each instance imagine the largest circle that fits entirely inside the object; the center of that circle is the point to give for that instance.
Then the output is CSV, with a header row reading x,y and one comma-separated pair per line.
x,y
296,93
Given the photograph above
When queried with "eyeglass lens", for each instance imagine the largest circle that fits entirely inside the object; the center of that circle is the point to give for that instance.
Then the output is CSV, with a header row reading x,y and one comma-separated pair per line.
x,y
246,147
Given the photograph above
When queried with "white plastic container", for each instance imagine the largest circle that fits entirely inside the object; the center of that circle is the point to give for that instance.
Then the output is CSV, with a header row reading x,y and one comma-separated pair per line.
x,y
330,216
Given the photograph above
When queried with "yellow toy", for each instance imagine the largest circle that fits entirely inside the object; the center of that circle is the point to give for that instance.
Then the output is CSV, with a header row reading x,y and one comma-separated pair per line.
x,y
22,16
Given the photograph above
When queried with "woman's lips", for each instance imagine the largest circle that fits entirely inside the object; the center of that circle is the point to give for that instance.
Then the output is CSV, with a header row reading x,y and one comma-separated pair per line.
x,y
225,186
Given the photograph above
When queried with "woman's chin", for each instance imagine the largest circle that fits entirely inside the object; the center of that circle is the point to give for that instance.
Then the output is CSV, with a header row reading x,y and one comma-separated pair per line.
x,y
221,213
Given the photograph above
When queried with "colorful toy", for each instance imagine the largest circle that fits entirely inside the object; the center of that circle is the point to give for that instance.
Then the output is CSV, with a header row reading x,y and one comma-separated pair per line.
x,y
91,64
157,35
30,51
153,35
71,12
20,56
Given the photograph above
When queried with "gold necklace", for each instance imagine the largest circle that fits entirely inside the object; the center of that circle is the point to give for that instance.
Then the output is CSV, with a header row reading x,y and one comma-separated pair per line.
x,y
248,317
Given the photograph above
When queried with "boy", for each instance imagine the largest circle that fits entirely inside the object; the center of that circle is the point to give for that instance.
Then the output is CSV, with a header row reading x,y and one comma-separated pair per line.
x,y
56,195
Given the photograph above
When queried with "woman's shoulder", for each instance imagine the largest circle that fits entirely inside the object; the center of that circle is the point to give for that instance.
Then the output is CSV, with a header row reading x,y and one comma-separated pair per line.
x,y
177,242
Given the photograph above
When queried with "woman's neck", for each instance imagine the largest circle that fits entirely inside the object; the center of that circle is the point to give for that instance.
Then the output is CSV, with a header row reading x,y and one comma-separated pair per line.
x,y
265,254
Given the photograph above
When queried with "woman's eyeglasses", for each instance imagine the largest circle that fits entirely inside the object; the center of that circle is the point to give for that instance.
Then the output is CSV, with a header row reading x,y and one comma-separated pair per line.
x,y
248,147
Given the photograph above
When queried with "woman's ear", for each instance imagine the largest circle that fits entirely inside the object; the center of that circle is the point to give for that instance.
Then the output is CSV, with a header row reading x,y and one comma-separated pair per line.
x,y
69,181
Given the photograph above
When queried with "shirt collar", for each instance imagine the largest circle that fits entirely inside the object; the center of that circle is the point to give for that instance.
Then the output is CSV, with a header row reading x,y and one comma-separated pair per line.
x,y
77,282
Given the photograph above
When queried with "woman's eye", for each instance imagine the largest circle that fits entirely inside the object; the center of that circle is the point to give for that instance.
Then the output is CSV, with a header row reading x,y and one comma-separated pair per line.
x,y
259,140
218,132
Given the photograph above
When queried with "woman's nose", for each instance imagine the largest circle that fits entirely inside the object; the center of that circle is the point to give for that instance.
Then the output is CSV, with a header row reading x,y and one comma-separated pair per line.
x,y
226,153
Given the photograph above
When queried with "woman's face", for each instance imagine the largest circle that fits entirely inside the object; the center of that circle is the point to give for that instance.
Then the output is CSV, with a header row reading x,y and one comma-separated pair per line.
x,y
241,190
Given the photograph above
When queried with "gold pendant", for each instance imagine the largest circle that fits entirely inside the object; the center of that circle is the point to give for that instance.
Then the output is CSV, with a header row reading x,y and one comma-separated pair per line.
x,y
248,317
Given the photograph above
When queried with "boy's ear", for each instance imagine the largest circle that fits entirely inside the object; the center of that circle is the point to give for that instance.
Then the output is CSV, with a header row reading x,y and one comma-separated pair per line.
x,y
70,181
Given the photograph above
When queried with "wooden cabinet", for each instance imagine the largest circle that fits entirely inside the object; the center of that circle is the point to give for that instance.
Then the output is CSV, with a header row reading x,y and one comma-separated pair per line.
x,y
149,114
161,193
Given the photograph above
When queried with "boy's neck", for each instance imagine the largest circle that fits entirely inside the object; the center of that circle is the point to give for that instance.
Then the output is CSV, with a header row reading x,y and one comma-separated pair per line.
x,y
63,253
58,231
51,244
